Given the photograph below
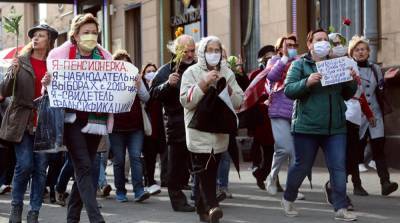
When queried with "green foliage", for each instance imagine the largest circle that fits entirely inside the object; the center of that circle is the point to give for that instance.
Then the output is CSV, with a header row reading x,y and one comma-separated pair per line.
x,y
11,24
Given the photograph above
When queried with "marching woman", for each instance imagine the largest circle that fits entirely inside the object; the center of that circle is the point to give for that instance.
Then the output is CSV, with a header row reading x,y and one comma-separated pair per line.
x,y
81,140
23,82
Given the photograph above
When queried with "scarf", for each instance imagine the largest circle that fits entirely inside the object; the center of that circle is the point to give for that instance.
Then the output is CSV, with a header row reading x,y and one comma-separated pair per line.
x,y
97,122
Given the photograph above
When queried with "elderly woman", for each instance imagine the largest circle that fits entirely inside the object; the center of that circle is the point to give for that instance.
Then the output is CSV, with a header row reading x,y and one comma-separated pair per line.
x,y
373,82
22,81
82,142
206,147
318,121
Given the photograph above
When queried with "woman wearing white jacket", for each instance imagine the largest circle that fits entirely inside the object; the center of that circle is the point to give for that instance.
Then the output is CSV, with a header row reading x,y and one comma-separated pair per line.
x,y
206,147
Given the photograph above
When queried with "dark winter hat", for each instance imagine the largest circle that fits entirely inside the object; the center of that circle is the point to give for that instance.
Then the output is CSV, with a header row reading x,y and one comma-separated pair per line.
x,y
52,31
264,50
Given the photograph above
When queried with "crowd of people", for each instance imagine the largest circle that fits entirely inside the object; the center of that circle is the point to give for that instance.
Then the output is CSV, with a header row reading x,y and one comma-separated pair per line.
x,y
195,104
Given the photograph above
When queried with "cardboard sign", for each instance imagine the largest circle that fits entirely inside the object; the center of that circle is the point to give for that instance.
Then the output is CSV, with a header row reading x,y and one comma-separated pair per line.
x,y
335,71
106,86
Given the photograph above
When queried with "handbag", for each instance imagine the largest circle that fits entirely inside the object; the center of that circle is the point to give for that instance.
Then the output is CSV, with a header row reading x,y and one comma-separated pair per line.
x,y
213,114
49,133
146,120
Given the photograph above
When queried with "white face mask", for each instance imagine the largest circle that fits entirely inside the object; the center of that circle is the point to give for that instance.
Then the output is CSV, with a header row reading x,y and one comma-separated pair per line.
x,y
149,76
213,58
339,51
321,49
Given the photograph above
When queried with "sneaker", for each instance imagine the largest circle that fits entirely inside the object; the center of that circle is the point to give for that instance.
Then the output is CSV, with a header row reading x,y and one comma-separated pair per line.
x,y
388,188
260,184
300,196
362,168
227,192
105,191
372,164
343,215
144,196
154,189
288,208
32,217
328,193
15,214
221,196
120,197
359,191
5,189
271,186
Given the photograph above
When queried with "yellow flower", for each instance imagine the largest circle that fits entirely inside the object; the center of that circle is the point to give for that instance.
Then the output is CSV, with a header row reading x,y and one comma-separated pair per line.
x,y
180,29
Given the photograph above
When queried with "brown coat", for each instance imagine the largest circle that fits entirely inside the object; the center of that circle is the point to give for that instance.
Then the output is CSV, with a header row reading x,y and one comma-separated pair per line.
x,y
19,115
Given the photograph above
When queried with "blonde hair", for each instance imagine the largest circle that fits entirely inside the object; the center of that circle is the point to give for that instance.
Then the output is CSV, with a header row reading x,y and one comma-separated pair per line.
x,y
354,43
181,40
79,21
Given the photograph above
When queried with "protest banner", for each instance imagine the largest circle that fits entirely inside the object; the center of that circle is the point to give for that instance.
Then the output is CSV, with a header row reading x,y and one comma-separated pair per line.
x,y
105,86
334,71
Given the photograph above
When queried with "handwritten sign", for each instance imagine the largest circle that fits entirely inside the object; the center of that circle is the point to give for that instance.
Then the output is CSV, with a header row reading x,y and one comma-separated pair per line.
x,y
92,85
334,71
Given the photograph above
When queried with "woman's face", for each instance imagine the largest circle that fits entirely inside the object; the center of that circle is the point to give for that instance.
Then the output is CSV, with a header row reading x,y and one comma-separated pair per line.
x,y
40,40
150,69
88,28
317,37
361,52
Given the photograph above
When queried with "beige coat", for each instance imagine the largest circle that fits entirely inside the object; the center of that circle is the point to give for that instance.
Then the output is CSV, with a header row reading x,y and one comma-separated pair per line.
x,y
191,94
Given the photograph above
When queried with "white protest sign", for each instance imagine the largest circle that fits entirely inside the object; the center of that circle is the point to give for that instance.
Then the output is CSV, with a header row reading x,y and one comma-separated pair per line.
x,y
106,86
334,71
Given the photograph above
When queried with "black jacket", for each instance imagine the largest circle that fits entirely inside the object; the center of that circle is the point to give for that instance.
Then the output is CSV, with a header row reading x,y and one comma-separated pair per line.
x,y
169,98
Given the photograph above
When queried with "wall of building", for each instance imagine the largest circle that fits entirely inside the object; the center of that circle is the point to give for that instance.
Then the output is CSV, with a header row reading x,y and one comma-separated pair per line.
x,y
219,20
149,31
389,50
274,20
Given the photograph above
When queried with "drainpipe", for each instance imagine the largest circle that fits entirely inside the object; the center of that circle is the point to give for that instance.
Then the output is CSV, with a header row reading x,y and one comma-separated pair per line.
x,y
203,18
161,32
371,27
75,7
106,26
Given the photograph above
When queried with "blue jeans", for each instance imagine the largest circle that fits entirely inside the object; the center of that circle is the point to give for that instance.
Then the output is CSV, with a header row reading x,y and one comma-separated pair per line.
x,y
306,148
29,165
133,141
223,170
100,161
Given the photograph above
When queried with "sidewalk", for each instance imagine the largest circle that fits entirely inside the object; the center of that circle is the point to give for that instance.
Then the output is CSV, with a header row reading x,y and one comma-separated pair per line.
x,y
248,205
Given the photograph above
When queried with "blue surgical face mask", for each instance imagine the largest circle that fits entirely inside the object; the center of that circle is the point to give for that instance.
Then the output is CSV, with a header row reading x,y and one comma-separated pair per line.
x,y
292,53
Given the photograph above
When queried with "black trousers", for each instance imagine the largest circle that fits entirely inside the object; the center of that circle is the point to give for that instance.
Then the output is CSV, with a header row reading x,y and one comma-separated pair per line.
x,y
7,165
82,149
151,148
378,155
262,158
355,154
56,162
205,167
178,173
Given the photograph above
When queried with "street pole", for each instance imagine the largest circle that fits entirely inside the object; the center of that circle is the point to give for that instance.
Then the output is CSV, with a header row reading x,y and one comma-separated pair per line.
x,y
371,27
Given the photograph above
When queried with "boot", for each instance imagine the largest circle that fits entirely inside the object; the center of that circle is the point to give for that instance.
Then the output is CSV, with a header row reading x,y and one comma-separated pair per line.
x,y
15,214
33,217
359,190
389,187
179,202
215,214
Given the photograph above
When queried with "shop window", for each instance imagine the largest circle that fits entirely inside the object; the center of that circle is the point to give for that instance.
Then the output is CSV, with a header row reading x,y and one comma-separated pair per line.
x,y
186,18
